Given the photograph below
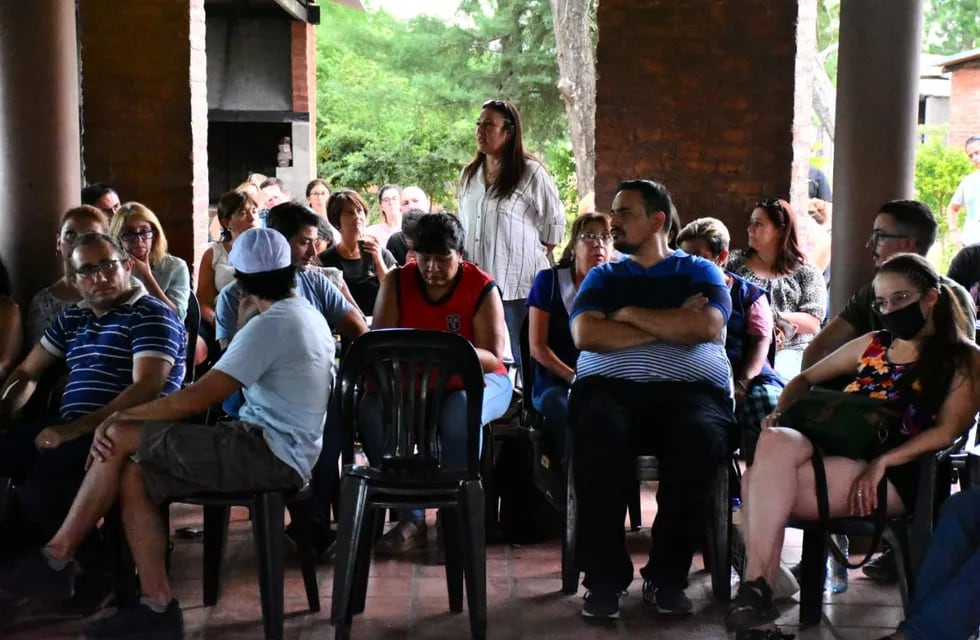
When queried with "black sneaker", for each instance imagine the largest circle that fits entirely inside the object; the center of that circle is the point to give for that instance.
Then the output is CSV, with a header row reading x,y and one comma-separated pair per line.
x,y
601,603
667,601
324,540
752,607
32,577
139,622
882,569
764,634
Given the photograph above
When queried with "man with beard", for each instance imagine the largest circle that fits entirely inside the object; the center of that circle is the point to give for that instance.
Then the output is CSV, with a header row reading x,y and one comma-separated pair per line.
x,y
652,377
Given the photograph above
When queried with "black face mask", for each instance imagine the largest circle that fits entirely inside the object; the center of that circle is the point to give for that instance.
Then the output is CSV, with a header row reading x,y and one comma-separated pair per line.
x,y
904,323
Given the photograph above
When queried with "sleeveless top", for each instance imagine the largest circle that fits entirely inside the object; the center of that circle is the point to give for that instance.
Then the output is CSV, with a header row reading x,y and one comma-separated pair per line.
x,y
898,383
454,312
224,273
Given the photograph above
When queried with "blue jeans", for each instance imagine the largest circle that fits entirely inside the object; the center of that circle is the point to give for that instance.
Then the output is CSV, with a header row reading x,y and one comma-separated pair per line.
x,y
946,598
514,313
552,403
452,422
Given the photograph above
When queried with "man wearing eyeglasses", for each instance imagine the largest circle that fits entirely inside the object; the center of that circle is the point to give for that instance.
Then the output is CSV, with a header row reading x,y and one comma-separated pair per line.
x,y
901,226
122,348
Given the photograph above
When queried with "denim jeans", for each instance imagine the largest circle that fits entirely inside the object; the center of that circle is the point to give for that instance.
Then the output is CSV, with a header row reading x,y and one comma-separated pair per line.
x,y
514,313
496,399
552,403
946,596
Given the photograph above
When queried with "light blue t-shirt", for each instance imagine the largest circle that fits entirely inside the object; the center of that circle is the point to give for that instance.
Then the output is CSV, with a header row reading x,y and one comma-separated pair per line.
x,y
284,357
311,285
968,195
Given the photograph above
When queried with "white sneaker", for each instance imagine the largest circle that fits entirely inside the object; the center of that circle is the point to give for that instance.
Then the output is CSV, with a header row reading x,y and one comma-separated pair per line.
x,y
786,584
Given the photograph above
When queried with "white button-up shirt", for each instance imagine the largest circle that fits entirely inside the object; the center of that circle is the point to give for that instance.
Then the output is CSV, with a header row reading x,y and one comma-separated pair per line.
x,y
506,237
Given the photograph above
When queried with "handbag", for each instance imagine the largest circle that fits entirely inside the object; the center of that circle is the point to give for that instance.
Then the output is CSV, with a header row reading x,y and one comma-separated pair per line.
x,y
852,425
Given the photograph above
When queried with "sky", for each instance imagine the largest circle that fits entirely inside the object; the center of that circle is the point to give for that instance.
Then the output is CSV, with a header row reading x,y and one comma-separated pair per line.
x,y
406,9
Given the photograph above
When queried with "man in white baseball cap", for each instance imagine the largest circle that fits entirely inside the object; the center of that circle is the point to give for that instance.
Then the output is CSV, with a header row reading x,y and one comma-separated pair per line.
x,y
282,360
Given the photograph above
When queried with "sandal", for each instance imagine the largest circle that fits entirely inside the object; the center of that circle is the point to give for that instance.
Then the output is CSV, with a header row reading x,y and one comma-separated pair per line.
x,y
402,538
752,607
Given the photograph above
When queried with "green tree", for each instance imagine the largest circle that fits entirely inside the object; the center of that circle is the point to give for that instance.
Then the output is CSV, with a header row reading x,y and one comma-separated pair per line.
x,y
938,171
951,26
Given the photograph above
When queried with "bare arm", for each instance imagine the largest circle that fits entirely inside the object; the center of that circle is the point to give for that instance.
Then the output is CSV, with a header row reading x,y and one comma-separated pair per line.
x,y
805,322
756,352
214,387
385,314
352,325
837,332
593,331
684,325
11,335
207,292
490,331
540,349
953,216
20,385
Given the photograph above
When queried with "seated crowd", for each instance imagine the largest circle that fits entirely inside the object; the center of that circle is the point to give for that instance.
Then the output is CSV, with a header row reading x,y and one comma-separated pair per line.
x,y
640,318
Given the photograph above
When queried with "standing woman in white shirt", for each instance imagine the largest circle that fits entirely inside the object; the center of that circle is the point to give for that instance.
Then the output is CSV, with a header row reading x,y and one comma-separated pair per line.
x,y
510,209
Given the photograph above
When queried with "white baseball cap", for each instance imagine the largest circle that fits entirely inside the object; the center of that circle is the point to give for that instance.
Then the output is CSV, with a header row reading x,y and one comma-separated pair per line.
x,y
259,250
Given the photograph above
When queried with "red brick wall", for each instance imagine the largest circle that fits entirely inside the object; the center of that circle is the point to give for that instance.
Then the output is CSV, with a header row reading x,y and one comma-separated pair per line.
x,y
144,109
964,103
699,95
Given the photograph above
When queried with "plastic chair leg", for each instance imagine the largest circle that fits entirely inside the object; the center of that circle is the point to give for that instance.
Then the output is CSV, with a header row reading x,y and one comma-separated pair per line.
x,y
814,573
904,565
452,540
351,527
719,537
474,556
633,504
124,571
302,525
268,527
569,572
215,537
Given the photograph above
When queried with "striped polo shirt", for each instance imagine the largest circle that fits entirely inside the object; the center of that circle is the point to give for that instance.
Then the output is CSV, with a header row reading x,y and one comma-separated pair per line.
x,y
99,350
664,285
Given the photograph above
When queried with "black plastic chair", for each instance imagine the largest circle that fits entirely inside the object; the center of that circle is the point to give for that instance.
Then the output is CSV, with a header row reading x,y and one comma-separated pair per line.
x,y
409,370
192,323
908,536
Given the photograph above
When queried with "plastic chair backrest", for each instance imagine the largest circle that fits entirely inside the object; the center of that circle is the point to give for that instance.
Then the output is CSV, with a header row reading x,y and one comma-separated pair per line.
x,y
192,323
530,365
409,369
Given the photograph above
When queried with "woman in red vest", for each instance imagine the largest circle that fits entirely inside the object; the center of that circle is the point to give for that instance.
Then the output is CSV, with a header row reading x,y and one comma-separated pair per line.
x,y
440,291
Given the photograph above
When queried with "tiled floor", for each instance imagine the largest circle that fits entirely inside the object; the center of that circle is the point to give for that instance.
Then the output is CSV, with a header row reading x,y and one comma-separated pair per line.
x,y
407,599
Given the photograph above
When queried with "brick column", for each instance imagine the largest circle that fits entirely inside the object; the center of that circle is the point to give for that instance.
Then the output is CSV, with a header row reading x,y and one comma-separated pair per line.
x,y
40,174
875,141
144,99
964,102
697,94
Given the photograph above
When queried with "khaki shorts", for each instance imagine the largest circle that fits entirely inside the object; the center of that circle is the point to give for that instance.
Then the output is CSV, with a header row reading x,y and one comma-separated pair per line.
x,y
180,459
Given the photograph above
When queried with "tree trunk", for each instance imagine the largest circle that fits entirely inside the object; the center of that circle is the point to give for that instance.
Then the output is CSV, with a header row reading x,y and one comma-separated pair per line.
x,y
824,96
573,20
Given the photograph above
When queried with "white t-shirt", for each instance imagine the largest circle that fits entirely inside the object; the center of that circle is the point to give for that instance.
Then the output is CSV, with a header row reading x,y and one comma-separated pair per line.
x,y
284,359
968,195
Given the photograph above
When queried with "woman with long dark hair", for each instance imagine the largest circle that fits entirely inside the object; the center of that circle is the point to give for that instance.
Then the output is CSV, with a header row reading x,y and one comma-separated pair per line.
x,y
775,262
549,335
510,209
923,365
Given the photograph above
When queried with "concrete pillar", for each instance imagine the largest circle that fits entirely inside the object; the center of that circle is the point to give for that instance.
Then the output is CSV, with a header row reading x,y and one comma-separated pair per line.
x,y
875,142
40,175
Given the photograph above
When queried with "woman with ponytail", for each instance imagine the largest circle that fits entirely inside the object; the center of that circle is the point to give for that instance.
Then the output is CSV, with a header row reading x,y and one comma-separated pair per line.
x,y
923,364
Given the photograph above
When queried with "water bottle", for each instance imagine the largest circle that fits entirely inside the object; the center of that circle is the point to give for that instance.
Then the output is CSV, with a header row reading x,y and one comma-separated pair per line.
x,y
738,538
836,581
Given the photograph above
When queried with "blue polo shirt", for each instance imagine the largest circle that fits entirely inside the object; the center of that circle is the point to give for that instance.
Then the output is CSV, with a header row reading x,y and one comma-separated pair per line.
x,y
99,350
664,285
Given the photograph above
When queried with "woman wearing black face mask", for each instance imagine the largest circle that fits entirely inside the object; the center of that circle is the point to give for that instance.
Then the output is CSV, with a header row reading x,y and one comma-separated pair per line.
x,y
923,364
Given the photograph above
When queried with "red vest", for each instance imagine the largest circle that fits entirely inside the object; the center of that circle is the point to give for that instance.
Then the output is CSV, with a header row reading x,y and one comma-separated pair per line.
x,y
454,313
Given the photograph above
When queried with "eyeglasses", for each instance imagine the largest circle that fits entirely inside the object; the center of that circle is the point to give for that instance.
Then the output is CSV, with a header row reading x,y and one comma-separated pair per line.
x,y
595,238
882,306
132,236
105,267
395,200
877,236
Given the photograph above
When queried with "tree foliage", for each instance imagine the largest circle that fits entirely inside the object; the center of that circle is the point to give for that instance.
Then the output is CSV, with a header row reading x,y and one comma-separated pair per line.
x,y
938,171
951,26
397,101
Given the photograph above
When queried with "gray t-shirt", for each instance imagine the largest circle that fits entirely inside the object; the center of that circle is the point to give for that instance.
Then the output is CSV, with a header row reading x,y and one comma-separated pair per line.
x,y
284,358
311,284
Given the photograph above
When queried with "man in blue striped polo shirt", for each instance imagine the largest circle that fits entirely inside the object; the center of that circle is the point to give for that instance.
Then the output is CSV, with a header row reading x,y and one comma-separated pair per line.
x,y
652,377
122,348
